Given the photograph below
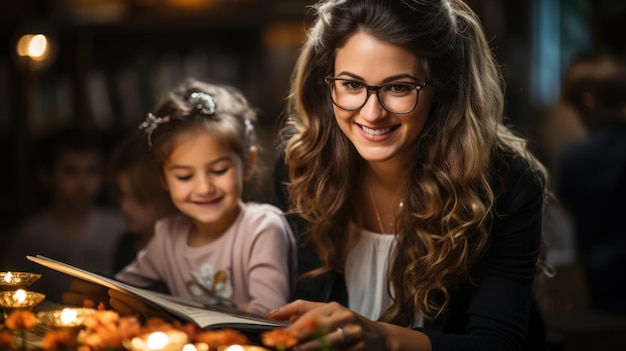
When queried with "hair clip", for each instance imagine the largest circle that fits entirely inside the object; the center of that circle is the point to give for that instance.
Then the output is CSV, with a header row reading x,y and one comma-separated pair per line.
x,y
249,128
150,125
202,102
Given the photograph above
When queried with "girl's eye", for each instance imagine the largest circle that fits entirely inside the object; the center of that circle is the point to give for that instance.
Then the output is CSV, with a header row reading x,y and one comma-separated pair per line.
x,y
220,171
183,178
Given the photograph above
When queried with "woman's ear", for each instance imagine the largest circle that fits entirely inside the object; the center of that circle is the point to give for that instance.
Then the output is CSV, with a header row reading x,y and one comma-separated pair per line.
x,y
253,156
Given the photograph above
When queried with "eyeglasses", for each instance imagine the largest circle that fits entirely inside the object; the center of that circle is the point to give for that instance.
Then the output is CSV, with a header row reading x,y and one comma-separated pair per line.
x,y
396,97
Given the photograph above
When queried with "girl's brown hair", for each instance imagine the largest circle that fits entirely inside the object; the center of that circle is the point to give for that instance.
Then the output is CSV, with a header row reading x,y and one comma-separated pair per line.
x,y
231,120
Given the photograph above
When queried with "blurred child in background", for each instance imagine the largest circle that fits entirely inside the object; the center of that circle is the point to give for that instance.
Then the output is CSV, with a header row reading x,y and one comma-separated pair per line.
x,y
142,198
72,228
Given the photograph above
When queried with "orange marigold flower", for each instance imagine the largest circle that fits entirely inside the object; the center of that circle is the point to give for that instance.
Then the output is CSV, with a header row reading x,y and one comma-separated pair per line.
x,y
192,330
279,338
58,340
222,337
6,340
106,330
153,324
21,319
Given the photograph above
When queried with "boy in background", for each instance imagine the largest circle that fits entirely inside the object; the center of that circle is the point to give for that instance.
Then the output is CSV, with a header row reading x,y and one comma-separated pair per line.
x,y
71,227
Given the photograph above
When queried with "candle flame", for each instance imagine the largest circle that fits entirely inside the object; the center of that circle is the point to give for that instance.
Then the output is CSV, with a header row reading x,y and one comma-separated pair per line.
x,y
68,316
157,341
19,296
8,277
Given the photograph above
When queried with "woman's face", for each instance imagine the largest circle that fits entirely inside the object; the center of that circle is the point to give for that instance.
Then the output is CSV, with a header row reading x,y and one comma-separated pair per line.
x,y
377,134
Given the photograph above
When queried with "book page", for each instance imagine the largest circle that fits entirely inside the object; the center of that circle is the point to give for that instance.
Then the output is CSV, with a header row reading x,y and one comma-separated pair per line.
x,y
185,309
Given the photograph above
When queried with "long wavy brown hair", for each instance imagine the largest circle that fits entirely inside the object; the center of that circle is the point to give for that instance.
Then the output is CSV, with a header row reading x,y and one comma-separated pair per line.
x,y
445,223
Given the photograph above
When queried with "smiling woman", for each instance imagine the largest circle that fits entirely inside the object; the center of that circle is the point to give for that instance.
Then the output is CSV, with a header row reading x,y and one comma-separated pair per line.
x,y
419,210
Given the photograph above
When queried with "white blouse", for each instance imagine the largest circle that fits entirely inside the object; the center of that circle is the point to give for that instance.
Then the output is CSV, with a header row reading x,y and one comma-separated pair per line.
x,y
366,275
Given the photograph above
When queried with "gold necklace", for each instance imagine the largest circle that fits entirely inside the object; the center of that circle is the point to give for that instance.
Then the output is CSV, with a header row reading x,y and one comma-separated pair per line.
x,y
380,222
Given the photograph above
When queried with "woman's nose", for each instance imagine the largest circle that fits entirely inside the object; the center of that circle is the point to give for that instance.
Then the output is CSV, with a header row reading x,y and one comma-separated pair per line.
x,y
372,109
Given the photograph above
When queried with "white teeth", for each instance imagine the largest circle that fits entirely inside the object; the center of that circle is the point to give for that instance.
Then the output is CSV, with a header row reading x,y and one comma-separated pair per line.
x,y
375,131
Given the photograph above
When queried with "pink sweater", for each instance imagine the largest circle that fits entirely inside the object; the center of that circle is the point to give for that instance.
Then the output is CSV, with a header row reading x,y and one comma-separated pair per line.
x,y
251,264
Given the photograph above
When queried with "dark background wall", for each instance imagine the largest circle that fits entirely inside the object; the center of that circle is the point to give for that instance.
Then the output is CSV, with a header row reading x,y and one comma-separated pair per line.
x,y
113,58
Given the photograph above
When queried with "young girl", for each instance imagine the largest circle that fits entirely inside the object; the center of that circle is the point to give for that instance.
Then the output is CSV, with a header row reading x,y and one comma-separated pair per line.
x,y
220,250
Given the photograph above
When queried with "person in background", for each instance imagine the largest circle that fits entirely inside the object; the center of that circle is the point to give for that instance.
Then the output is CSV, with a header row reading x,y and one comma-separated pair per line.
x,y
219,250
418,211
591,180
141,196
72,227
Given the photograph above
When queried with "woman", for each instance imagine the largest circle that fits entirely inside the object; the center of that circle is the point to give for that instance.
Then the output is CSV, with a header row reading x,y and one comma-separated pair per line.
x,y
418,211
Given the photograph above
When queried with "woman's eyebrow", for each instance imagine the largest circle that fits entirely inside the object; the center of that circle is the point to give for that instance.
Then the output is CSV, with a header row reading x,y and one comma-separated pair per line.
x,y
386,80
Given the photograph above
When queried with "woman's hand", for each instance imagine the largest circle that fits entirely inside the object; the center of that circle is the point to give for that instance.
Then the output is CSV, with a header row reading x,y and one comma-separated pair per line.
x,y
319,323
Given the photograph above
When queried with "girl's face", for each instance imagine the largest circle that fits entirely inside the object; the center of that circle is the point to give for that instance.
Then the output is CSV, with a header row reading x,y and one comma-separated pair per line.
x,y
205,180
139,217
377,134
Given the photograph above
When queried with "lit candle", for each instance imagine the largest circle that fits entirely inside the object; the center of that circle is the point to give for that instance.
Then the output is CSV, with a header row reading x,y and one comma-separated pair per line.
x,y
65,318
9,278
16,279
157,341
19,299
19,296
68,316
171,340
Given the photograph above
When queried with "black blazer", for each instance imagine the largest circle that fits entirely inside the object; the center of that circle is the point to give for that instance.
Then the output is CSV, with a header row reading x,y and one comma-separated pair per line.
x,y
498,312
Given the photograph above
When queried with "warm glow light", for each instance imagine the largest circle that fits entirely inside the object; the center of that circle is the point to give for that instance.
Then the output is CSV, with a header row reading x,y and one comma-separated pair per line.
x,y
189,347
15,279
157,341
38,46
34,46
19,296
235,348
171,340
68,316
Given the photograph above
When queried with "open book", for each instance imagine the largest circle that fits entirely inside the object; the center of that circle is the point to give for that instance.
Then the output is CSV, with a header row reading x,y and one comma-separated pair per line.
x,y
210,317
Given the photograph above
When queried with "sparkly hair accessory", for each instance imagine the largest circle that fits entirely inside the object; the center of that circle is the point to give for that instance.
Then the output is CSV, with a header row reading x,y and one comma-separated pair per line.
x,y
249,128
150,125
203,103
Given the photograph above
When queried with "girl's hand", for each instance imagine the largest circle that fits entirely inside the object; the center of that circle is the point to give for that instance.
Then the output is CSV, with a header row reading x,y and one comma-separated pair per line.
x,y
125,305
81,291
321,324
